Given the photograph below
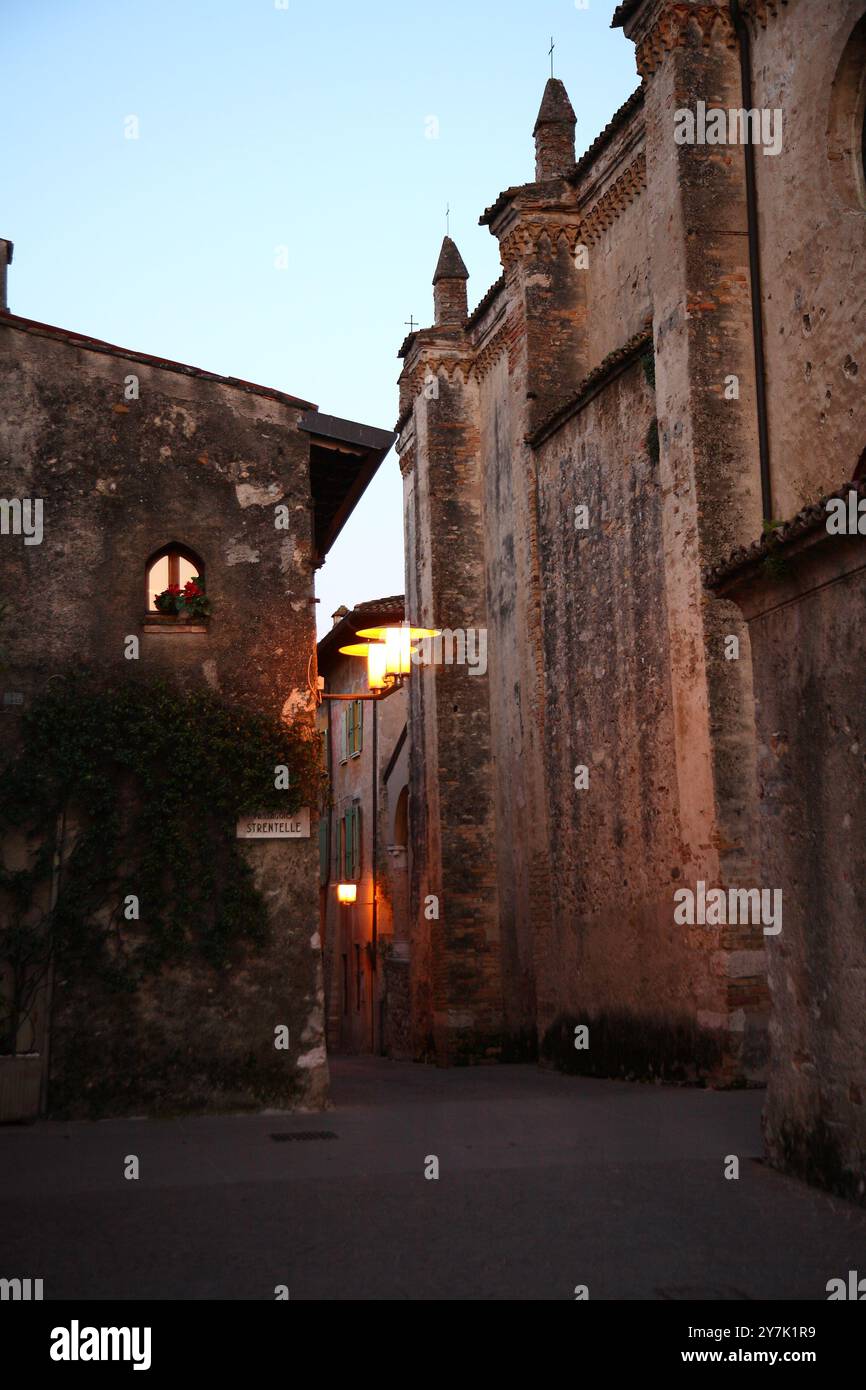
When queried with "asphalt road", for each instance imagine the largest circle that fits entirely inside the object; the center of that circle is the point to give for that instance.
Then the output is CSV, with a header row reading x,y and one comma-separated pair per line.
x,y
545,1182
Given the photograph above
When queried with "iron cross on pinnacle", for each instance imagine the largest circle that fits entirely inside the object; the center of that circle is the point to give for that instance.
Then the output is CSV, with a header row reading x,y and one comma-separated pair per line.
x,y
550,52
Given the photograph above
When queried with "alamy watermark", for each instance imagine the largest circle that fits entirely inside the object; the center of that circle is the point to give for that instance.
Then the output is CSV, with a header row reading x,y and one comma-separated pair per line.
x,y
719,907
846,516
22,516
454,647
21,1290
76,1343
736,126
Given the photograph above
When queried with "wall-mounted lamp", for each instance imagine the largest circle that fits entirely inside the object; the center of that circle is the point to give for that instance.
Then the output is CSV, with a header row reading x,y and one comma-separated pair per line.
x,y
388,653
347,892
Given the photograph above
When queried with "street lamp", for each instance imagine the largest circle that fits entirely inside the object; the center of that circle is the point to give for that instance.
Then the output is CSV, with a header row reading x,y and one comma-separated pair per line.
x,y
388,653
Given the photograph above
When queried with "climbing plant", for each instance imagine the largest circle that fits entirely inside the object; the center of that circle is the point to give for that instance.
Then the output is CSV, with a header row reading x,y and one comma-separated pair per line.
x,y
130,794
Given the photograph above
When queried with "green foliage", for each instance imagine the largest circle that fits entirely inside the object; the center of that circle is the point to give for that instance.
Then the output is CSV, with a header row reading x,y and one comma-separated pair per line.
x,y
648,362
773,565
191,601
137,789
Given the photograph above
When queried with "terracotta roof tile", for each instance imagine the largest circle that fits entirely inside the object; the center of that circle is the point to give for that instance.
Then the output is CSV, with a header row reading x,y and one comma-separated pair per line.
x,y
630,351
810,518
619,118
485,302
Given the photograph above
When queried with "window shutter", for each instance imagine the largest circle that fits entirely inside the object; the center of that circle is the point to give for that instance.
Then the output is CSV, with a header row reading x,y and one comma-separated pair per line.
x,y
343,734
359,725
356,842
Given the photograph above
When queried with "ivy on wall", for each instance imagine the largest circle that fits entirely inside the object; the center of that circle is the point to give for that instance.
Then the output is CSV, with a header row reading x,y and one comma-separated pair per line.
x,y
129,798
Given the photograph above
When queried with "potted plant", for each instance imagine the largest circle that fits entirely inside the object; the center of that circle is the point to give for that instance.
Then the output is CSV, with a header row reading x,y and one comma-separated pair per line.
x,y
189,604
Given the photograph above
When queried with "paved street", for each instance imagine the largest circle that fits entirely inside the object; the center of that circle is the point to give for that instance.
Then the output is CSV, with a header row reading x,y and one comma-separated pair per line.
x,y
546,1182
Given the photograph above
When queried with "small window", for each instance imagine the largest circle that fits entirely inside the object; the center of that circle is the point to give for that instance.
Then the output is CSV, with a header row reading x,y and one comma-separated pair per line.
x,y
173,565
352,740
357,727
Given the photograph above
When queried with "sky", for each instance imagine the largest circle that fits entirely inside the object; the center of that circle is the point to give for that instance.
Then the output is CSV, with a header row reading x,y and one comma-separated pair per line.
x,y
280,213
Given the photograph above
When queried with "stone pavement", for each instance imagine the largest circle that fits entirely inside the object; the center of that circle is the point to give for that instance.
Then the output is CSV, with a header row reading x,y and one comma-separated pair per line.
x,y
545,1182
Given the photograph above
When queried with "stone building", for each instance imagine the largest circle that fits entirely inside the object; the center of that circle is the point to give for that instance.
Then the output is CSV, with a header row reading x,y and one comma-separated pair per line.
x,y
147,469
667,367
363,842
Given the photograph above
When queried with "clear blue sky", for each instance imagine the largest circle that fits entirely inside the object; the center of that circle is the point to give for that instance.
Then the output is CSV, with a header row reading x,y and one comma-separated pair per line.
x,y
261,127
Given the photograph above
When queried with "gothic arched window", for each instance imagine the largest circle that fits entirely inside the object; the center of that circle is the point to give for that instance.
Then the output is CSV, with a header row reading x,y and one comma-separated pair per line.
x,y
174,566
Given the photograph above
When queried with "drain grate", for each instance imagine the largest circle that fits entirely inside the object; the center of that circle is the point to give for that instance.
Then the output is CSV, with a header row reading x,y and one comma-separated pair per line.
x,y
304,1134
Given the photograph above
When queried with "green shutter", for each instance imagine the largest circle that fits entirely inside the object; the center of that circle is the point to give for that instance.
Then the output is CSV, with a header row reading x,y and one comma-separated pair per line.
x,y
356,842
359,725
344,714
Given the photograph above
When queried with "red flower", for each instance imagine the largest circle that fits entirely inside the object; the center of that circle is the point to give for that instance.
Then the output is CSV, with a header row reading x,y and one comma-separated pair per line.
x,y
173,589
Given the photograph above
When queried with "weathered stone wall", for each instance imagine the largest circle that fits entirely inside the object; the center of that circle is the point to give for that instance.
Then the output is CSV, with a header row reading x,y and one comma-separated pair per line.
x,y
200,461
613,205
615,845
806,622
456,979
812,203
630,386
512,679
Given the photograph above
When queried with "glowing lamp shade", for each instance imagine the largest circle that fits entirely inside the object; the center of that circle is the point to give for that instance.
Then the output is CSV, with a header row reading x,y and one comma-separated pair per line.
x,y
377,665
374,654
347,892
398,642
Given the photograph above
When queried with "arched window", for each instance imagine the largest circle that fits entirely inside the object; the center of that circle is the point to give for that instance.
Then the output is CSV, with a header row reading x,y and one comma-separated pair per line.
x,y
173,564
847,121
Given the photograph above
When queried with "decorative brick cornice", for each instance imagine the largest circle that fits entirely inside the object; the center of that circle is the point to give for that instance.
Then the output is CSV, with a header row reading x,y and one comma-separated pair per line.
x,y
493,349
525,240
624,190
711,23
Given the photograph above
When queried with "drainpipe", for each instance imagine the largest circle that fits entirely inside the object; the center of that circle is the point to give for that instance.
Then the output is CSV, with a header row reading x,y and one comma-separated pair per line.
x,y
745,46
